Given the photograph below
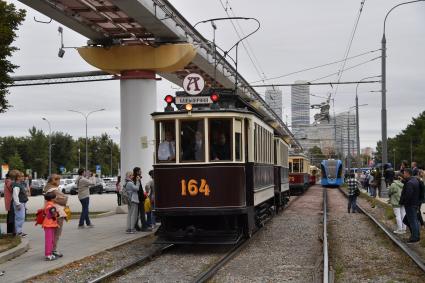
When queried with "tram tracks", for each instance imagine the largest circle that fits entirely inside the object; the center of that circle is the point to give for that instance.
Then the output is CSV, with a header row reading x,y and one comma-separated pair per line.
x,y
397,241
206,273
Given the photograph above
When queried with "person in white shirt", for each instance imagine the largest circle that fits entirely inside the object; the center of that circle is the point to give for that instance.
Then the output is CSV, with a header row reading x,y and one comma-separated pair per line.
x,y
19,199
167,148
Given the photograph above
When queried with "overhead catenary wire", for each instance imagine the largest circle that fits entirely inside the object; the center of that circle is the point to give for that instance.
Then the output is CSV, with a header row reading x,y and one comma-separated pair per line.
x,y
350,43
346,69
318,66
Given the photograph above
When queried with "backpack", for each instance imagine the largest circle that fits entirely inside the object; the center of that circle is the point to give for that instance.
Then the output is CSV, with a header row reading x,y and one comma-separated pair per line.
x,y
39,216
125,195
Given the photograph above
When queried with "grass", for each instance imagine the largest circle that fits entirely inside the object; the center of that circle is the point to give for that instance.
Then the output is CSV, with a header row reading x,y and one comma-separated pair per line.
x,y
339,270
31,216
8,242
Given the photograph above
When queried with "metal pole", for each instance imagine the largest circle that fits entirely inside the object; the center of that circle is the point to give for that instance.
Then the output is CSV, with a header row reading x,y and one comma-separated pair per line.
x,y
87,155
383,191
50,146
79,160
348,140
384,99
112,143
357,130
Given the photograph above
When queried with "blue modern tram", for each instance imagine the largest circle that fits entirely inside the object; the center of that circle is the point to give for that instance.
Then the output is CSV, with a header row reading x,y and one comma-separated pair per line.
x,y
331,173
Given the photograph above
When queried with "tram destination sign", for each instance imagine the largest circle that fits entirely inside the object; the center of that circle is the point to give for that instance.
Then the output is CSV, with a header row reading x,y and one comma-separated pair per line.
x,y
193,100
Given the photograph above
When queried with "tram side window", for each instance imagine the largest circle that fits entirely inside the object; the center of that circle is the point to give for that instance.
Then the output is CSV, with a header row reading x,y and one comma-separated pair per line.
x,y
238,140
192,141
296,166
166,141
220,139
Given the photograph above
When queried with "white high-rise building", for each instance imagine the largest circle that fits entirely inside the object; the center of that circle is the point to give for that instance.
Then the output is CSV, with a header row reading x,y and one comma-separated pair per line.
x,y
300,109
274,100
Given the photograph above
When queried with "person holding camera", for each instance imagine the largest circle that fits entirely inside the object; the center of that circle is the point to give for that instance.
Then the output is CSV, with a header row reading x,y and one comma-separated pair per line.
x,y
83,185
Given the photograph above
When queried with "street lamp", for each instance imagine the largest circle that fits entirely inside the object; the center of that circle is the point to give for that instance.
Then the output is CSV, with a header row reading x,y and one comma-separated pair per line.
x,y
86,116
50,146
357,116
384,98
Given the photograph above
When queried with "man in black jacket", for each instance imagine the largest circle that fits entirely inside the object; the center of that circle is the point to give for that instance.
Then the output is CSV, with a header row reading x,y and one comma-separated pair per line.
x,y
410,199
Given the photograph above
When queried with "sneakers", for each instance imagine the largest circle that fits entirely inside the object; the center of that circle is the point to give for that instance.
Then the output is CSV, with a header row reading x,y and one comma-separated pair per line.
x,y
400,232
90,226
130,232
57,254
81,226
412,241
22,235
51,257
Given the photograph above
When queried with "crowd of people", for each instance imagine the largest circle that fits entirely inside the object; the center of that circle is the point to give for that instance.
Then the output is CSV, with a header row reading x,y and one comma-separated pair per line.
x,y
55,211
406,192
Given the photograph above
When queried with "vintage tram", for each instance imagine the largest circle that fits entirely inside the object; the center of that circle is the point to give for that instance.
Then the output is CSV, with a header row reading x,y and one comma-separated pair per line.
x,y
220,171
299,173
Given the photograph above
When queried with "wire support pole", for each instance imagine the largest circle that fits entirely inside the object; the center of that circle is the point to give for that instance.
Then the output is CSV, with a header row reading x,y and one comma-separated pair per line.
x,y
384,141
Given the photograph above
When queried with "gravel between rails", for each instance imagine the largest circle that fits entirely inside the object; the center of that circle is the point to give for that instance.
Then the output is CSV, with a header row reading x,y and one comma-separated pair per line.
x,y
180,264
360,252
287,249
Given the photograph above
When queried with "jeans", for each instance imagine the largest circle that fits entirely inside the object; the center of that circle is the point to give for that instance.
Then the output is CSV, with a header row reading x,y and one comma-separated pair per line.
x,y
399,213
412,217
372,191
352,203
84,212
119,198
149,218
19,217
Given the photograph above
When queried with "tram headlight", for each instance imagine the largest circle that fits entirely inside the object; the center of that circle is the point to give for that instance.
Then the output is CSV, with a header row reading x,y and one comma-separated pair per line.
x,y
188,107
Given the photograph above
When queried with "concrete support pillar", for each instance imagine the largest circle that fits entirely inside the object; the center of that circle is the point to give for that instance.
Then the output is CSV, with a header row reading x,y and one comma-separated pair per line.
x,y
138,101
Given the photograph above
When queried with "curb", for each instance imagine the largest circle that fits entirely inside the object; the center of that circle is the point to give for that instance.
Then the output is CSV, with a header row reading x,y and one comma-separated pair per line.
x,y
105,214
15,252
125,242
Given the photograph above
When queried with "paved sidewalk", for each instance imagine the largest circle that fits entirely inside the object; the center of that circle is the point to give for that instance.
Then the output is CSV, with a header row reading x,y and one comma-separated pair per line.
x,y
74,244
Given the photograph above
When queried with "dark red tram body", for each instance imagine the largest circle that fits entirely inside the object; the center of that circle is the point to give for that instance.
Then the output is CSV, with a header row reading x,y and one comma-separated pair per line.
x,y
223,186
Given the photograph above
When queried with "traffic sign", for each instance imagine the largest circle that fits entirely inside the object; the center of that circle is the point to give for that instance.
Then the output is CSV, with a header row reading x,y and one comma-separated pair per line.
x,y
193,100
193,84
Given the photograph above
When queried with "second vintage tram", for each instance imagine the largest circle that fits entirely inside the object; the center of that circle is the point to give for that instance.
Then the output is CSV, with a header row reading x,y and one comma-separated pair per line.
x,y
299,173
220,171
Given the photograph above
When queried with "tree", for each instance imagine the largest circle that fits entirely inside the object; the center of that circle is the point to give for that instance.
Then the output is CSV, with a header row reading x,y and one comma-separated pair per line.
x,y
409,144
316,155
15,162
10,19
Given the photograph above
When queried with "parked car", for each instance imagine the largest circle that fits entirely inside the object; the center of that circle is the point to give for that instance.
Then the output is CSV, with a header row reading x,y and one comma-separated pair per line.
x,y
2,188
37,187
98,188
109,185
67,185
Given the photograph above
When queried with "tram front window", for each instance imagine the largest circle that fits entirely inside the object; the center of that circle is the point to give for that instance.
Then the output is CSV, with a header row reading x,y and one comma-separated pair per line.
x,y
192,141
166,141
220,139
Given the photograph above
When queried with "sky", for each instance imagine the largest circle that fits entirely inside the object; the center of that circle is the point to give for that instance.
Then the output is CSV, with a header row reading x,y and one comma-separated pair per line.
x,y
294,35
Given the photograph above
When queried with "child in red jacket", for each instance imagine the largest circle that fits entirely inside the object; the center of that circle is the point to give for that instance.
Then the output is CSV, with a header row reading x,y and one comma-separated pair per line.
x,y
50,224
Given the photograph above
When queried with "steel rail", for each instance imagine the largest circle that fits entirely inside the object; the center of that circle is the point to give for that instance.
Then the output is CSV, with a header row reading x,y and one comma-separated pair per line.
x,y
138,261
325,238
413,255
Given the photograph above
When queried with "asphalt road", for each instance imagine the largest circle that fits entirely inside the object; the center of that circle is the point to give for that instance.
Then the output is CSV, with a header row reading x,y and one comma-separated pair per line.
x,y
103,202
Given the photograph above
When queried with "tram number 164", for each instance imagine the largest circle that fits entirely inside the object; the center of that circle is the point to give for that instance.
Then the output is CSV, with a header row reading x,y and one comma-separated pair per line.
x,y
192,187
